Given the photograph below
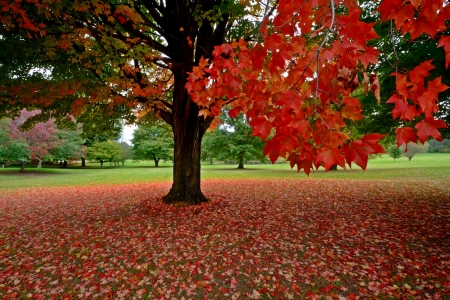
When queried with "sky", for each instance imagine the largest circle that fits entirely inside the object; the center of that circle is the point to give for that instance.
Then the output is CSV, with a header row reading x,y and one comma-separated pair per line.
x,y
127,133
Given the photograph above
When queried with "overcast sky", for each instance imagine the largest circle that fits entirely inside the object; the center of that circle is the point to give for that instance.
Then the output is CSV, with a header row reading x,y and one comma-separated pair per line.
x,y
127,133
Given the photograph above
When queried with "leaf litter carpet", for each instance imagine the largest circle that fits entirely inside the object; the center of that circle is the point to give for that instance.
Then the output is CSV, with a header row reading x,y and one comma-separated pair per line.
x,y
255,239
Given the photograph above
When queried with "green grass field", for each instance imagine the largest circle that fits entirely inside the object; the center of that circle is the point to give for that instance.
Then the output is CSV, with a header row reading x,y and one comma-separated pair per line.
x,y
425,165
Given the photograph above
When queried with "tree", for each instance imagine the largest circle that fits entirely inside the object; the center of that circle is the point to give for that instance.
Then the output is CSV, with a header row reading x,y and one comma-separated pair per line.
x,y
104,151
70,146
3,141
154,142
234,140
291,66
40,138
394,152
413,148
126,152
439,147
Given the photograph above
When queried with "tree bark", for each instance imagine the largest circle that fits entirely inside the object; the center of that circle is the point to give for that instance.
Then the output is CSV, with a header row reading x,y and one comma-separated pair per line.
x,y
333,168
22,166
101,163
39,164
156,160
188,130
65,164
241,161
83,162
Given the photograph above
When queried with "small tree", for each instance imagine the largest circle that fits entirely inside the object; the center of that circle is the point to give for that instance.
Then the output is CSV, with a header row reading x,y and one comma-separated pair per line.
x,y
70,146
3,141
40,138
413,149
234,140
104,151
12,149
394,152
18,150
153,142
126,152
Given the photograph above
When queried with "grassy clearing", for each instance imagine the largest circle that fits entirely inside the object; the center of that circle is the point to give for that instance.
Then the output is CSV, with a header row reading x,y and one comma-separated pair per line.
x,y
428,165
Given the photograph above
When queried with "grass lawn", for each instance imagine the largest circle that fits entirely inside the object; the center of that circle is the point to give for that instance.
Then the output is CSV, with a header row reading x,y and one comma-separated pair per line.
x,y
268,232
423,165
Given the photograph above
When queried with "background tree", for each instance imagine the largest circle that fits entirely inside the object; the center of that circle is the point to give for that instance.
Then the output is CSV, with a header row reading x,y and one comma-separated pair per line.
x,y
40,138
18,150
126,152
439,147
413,149
394,152
4,139
104,151
70,145
154,142
233,140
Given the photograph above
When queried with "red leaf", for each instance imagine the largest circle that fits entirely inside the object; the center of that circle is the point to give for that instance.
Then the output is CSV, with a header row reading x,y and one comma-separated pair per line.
x,y
274,41
257,55
401,106
405,135
357,152
329,157
429,127
261,127
418,74
445,42
435,87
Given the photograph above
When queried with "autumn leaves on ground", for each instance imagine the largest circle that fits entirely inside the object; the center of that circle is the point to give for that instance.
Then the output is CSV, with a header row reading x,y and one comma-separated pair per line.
x,y
255,239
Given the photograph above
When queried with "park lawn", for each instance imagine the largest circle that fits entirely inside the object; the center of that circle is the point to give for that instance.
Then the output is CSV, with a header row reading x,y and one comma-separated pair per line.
x,y
423,165
266,233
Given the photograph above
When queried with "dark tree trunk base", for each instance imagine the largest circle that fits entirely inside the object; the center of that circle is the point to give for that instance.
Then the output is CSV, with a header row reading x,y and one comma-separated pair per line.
x,y
241,166
189,197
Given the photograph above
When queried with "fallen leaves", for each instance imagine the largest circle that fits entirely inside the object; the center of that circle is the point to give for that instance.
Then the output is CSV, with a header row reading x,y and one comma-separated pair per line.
x,y
255,239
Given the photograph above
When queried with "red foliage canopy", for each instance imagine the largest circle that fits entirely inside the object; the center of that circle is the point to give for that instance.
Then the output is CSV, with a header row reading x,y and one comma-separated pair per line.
x,y
297,85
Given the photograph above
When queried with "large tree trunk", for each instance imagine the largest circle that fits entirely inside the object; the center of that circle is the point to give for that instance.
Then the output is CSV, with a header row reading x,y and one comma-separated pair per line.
x,y
22,166
101,163
39,163
83,162
65,164
188,130
188,127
